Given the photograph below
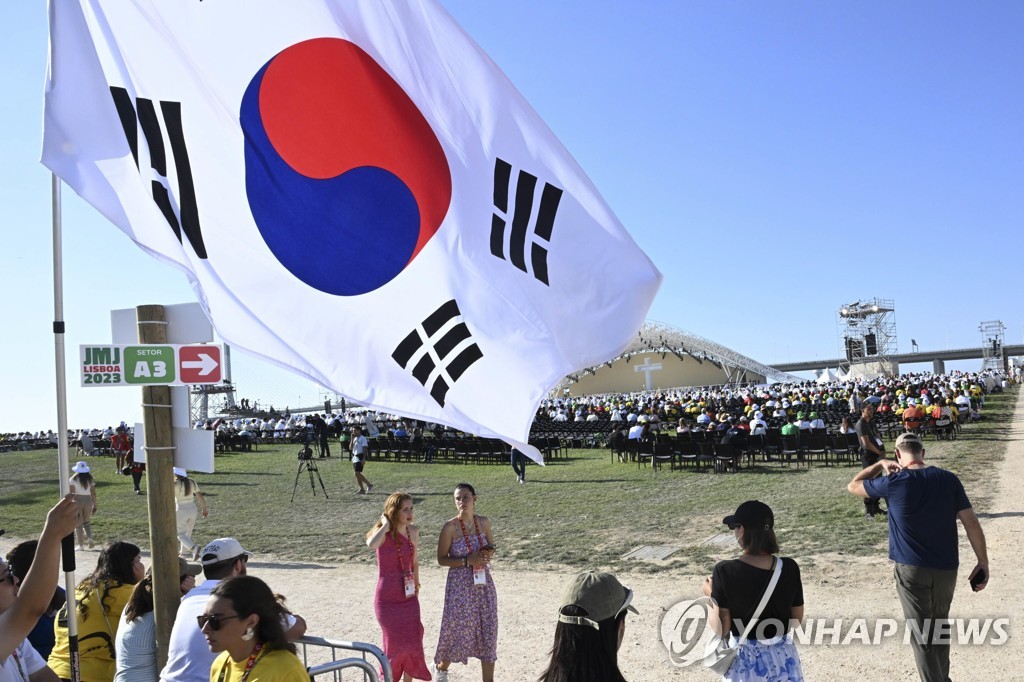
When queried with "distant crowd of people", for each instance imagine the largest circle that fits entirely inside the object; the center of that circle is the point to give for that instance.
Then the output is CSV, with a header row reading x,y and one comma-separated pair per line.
x,y
965,390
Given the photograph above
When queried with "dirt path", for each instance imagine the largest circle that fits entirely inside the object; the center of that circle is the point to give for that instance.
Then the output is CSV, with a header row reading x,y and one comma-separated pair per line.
x,y
337,602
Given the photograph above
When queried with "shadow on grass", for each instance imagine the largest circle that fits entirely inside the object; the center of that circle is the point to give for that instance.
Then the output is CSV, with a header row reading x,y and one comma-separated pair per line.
x,y
1000,515
532,481
770,470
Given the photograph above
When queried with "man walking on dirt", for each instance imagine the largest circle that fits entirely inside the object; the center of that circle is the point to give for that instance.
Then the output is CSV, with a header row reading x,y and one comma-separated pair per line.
x,y
925,503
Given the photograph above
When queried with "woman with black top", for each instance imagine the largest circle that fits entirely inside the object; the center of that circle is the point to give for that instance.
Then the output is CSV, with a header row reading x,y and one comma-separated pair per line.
x,y
737,586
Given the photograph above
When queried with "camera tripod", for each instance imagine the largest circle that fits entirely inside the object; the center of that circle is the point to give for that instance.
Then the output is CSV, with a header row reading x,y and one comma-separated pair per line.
x,y
307,464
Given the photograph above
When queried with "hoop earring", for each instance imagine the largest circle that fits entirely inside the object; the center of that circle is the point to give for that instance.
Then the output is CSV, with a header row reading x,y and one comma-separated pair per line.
x,y
249,634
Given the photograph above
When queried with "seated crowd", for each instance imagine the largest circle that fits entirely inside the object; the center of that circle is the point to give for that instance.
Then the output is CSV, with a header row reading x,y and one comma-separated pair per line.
x,y
224,627
807,402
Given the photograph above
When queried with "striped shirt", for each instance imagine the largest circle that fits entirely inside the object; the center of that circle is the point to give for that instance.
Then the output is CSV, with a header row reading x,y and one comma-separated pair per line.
x,y
135,644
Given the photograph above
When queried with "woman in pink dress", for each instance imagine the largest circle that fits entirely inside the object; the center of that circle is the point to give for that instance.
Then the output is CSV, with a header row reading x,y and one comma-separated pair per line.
x,y
396,602
469,626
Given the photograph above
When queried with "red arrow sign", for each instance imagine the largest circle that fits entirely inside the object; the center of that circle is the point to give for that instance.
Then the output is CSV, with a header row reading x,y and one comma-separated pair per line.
x,y
199,364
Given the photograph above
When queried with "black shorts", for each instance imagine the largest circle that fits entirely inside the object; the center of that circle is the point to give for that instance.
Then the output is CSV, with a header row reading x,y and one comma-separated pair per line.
x,y
358,466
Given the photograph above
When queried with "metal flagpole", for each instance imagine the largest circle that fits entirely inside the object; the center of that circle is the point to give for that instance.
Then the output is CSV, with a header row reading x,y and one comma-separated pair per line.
x,y
63,463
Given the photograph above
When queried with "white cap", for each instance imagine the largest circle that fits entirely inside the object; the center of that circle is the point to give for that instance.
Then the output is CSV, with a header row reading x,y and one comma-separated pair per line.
x,y
222,549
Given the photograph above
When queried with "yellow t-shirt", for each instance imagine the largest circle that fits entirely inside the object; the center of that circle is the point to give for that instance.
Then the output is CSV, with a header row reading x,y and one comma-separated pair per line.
x,y
276,666
95,640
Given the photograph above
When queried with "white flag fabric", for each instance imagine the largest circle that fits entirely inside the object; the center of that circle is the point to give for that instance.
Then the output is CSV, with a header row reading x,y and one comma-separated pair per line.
x,y
356,192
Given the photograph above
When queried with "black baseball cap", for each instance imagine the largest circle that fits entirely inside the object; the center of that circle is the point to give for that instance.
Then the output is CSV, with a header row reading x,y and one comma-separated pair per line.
x,y
751,514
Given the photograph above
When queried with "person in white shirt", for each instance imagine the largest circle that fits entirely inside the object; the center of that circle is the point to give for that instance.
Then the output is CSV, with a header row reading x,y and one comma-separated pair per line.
x,y
188,657
135,641
21,604
360,448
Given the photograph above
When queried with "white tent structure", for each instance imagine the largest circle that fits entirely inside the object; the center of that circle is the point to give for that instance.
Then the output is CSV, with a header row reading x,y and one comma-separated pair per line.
x,y
827,376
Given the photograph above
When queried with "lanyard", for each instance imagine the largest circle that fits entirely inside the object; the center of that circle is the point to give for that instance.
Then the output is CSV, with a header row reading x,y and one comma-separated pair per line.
x,y
398,551
254,658
17,662
476,528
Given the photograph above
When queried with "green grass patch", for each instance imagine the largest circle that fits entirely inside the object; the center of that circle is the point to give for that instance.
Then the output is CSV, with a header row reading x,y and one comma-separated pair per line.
x,y
582,510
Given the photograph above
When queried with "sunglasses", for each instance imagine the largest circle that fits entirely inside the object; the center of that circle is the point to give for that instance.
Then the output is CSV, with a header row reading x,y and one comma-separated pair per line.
x,y
213,621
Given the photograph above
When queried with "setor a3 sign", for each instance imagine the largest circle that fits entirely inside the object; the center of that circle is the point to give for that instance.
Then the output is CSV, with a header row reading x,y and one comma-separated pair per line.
x,y
150,364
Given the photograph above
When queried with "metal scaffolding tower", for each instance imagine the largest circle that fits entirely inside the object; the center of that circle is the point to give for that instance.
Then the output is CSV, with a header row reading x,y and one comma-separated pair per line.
x,y
992,333
199,395
867,334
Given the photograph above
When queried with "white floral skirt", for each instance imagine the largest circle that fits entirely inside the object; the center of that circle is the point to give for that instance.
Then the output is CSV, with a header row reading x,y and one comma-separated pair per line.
x,y
771,660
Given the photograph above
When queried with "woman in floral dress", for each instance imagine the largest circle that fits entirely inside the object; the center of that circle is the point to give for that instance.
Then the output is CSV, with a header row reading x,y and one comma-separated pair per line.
x,y
469,626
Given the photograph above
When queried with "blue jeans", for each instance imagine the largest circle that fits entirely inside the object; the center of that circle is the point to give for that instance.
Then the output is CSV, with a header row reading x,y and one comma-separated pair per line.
x,y
519,464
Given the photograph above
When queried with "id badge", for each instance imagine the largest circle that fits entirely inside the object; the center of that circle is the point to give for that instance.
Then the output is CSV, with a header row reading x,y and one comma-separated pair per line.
x,y
410,587
479,575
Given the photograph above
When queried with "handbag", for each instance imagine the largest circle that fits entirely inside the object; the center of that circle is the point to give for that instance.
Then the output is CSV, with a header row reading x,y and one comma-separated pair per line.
x,y
721,658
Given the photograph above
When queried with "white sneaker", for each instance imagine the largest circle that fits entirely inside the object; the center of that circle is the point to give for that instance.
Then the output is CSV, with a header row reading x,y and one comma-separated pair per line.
x,y
440,675
79,548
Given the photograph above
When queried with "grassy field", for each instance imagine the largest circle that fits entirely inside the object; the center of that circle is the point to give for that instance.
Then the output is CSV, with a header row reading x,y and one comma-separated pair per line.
x,y
584,510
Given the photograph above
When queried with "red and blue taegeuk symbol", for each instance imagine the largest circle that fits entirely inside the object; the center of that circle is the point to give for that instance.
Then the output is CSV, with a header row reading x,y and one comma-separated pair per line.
x,y
346,180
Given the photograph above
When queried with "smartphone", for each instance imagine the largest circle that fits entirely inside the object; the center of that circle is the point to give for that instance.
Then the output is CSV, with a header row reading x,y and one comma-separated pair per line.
x,y
979,577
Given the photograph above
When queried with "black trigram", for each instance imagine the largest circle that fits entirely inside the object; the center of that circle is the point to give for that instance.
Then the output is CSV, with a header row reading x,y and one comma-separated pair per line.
x,y
436,347
526,186
147,118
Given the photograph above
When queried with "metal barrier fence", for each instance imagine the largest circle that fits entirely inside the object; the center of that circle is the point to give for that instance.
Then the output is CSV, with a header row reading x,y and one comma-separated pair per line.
x,y
333,658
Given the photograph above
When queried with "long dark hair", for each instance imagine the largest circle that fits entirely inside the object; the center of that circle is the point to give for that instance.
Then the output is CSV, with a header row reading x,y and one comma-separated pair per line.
x,y
141,601
582,653
248,595
185,483
86,481
115,567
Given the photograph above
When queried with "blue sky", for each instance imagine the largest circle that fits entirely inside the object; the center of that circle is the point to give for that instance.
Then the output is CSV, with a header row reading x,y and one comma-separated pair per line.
x,y
775,160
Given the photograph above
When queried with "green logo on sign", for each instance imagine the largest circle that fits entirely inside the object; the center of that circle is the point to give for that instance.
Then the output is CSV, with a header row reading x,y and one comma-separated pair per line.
x,y
149,364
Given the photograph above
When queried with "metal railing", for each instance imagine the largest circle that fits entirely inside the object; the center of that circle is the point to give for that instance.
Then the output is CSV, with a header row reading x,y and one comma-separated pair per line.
x,y
321,657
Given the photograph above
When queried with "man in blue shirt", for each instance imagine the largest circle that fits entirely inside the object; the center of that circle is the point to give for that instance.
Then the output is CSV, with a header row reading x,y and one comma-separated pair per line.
x,y
924,504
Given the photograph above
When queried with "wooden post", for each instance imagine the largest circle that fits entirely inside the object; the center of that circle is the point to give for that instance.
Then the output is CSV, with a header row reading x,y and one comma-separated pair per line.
x,y
156,418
